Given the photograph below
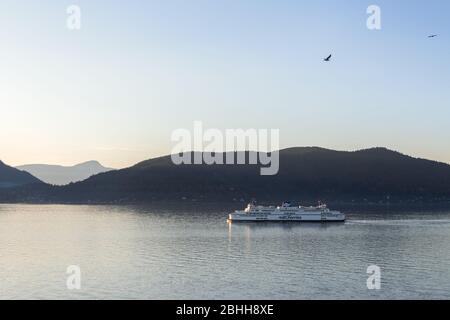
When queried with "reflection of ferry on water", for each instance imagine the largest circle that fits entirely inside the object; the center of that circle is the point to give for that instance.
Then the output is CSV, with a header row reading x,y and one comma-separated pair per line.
x,y
286,212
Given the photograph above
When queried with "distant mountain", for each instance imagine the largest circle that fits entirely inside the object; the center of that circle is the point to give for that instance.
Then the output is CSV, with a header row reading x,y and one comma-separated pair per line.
x,y
10,177
375,175
60,175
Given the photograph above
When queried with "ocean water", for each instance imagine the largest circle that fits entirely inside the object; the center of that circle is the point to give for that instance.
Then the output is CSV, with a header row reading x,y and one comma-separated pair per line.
x,y
141,253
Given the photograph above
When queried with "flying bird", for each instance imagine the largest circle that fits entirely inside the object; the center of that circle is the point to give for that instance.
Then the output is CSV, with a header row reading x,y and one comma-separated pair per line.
x,y
433,36
327,59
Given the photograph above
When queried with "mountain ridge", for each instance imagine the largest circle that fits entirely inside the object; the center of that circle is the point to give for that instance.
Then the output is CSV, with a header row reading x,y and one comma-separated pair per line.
x,y
11,177
375,174
63,175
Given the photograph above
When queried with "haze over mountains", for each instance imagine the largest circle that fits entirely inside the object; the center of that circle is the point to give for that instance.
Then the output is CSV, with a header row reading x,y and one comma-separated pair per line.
x,y
62,175
376,175
11,177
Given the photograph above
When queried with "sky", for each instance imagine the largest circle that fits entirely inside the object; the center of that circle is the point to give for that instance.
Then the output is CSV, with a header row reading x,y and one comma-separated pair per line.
x,y
116,89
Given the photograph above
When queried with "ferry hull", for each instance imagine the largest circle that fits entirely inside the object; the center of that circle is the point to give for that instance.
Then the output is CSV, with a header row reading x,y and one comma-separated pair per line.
x,y
302,217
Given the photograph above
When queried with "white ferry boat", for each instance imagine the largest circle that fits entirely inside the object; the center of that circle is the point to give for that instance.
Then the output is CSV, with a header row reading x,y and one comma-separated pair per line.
x,y
286,212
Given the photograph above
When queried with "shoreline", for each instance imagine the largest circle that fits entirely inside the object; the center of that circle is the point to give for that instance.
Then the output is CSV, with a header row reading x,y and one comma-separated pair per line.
x,y
231,206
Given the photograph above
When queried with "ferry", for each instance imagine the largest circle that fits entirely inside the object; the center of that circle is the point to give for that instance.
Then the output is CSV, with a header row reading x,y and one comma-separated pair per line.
x,y
287,212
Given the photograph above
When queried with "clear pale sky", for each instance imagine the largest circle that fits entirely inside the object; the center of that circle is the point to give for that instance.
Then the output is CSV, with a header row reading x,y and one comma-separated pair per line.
x,y
115,90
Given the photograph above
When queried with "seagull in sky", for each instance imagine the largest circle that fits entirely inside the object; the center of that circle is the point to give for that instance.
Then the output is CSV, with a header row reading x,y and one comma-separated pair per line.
x,y
327,59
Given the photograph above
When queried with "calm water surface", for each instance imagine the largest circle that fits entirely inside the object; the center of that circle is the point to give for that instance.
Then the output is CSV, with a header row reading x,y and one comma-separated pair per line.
x,y
138,253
